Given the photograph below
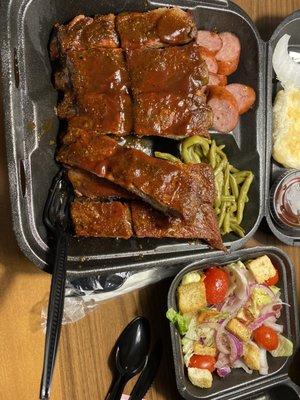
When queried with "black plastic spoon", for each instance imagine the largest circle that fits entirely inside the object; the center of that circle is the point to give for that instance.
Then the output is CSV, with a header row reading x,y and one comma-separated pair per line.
x,y
131,353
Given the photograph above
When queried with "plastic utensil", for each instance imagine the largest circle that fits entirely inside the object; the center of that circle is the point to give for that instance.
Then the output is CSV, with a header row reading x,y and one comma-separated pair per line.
x,y
56,219
131,353
148,374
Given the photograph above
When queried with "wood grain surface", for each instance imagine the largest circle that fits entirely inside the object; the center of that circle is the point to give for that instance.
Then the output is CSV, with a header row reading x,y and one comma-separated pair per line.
x,y
83,366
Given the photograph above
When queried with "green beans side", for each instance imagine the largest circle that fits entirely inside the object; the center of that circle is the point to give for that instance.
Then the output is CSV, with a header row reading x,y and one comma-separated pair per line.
x,y
232,185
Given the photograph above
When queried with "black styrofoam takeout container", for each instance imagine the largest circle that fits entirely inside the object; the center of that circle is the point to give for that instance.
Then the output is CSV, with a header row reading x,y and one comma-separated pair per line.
x,y
31,129
32,126
239,384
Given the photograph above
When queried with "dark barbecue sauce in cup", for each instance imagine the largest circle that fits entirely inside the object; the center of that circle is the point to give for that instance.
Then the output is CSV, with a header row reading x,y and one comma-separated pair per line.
x,y
285,200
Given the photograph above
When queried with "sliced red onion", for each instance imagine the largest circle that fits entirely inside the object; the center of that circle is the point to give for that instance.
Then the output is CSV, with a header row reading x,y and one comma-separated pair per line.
x,y
271,319
276,327
228,302
259,321
220,337
285,304
222,361
241,281
240,364
234,305
272,307
236,347
223,371
264,368
231,289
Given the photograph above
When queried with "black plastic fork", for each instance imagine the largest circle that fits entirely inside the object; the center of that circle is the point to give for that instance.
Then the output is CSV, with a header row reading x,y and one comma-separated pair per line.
x,y
56,218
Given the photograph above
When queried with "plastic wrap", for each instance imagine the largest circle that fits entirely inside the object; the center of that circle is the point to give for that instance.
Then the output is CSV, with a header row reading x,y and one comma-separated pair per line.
x,y
85,294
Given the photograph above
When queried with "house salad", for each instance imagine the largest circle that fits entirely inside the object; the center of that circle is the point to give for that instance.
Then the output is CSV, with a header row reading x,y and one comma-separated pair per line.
x,y
228,319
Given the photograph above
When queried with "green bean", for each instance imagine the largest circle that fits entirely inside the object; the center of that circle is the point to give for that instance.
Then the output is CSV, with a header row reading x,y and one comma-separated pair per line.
x,y
233,169
218,160
242,196
239,180
212,154
233,186
166,156
226,221
205,148
222,214
195,155
228,198
220,167
237,229
202,149
241,174
191,142
220,152
226,180
219,179
233,207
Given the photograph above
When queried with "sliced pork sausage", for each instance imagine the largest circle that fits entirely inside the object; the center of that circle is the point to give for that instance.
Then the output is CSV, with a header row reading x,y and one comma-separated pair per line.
x,y
244,96
217,79
224,107
210,40
210,59
229,56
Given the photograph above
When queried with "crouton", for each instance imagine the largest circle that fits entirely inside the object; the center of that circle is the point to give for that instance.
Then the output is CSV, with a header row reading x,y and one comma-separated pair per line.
x,y
238,329
200,377
244,316
251,356
191,297
204,350
262,269
208,315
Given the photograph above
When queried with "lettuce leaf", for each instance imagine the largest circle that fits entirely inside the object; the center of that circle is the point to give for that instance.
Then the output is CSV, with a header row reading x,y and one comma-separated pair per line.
x,y
181,322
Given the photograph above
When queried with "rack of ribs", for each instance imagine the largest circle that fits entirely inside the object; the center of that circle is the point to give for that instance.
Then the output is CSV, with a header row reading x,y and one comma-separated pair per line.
x,y
167,186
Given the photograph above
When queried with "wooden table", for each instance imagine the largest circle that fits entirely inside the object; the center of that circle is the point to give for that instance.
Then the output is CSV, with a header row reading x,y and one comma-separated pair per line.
x,y
82,371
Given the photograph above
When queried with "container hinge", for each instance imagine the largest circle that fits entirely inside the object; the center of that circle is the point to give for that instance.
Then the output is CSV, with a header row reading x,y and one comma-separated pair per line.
x,y
220,3
195,3
213,3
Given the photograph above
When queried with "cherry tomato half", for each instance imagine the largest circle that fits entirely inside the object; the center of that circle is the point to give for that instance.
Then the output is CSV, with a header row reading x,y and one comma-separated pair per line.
x,y
216,283
273,280
202,362
266,337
